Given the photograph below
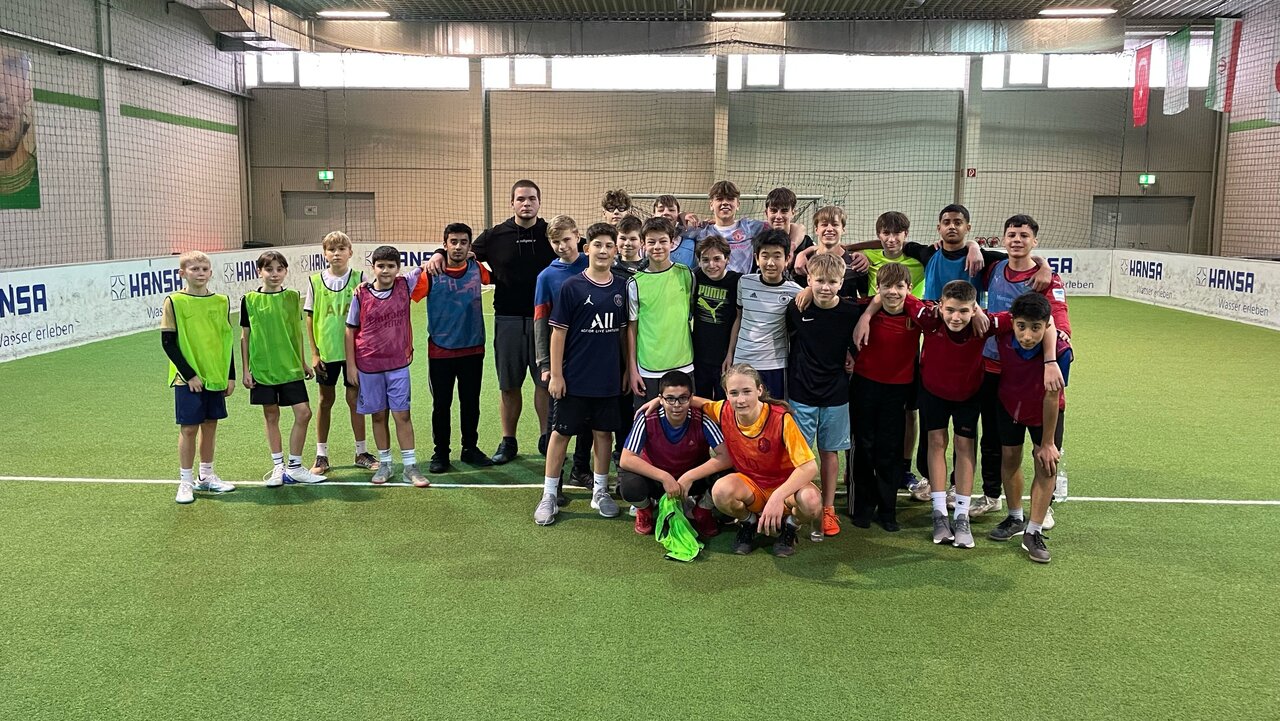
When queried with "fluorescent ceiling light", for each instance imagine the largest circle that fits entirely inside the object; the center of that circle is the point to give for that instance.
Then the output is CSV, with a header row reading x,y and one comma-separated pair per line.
x,y
747,14
1076,12
354,14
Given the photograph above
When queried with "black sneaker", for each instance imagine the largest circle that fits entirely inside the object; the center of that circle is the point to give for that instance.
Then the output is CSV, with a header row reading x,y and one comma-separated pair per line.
x,y
861,521
745,541
475,457
1007,529
786,543
1033,544
582,477
889,524
508,449
439,463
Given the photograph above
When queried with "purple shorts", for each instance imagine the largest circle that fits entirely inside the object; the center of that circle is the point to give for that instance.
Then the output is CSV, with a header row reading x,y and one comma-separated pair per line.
x,y
383,391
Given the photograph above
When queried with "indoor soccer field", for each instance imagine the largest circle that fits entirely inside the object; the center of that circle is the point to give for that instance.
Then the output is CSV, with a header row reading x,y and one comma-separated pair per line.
x,y
451,603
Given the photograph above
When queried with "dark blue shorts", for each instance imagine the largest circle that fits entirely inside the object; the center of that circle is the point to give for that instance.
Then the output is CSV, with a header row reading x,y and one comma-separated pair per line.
x,y
192,409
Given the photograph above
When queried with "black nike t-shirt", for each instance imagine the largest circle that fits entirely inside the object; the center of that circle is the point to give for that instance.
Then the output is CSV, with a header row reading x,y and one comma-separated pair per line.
x,y
815,364
715,308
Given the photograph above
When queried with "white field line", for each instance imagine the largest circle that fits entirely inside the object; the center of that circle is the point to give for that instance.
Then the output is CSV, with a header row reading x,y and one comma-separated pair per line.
x,y
499,486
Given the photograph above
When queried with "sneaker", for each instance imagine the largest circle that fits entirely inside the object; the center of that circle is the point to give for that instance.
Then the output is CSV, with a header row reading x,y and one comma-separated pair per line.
x,y
381,475
1007,529
1033,544
186,493
964,534
508,449
983,504
644,520
920,490
582,478
1048,519
302,475
415,476
942,528
213,484
745,541
274,478
632,511
440,463
786,544
545,513
860,520
830,523
475,457
604,503
889,524
909,479
704,522
321,465
368,461
951,499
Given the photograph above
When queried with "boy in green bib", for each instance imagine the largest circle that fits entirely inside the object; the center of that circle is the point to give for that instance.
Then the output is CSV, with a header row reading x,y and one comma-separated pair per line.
x,y
326,305
196,335
271,351
659,301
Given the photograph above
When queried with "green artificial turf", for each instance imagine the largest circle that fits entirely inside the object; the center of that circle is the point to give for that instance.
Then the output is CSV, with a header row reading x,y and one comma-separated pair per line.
x,y
396,603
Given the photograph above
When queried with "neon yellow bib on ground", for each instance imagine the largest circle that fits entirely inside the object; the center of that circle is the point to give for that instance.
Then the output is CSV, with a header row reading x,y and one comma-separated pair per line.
x,y
275,336
877,259
204,337
329,316
663,340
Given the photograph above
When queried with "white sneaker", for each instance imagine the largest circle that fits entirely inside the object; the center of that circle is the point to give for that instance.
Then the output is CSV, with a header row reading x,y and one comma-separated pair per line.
x,y
186,493
275,477
1048,519
213,484
302,475
920,489
632,511
602,502
545,513
983,504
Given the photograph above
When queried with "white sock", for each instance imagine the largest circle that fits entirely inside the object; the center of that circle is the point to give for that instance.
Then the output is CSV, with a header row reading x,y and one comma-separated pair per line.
x,y
206,469
1016,513
551,484
939,499
408,457
322,449
384,456
1033,527
601,481
277,459
362,447
295,461
962,504
184,475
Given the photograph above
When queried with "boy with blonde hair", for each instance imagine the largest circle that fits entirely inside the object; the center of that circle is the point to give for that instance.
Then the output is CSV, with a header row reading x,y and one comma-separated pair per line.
x,y
196,335
326,304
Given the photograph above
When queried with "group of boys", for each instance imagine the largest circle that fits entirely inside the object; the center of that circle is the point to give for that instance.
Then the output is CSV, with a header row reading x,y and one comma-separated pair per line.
x,y
634,311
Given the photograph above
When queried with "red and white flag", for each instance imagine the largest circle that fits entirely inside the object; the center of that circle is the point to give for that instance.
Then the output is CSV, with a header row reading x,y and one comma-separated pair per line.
x,y
1141,85
1223,59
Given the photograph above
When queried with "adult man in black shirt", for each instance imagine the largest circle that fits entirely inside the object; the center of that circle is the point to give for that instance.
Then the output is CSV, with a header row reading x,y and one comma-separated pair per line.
x,y
516,251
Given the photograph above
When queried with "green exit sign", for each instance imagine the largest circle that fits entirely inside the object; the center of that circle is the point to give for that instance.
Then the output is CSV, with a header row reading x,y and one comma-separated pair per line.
x,y
326,176
1146,179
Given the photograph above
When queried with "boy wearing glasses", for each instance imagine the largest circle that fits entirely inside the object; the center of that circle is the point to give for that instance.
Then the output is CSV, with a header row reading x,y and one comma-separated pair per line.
x,y
669,451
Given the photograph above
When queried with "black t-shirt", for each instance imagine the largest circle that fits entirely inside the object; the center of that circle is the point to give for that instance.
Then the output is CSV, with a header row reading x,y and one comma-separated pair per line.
x,y
715,308
815,364
516,256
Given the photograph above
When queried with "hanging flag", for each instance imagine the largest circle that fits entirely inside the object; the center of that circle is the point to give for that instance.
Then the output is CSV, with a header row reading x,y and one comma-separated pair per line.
x,y
1178,52
1222,71
1273,98
1141,85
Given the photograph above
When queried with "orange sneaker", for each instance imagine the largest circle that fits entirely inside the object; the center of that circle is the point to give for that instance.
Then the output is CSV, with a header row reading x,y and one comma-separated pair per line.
x,y
830,524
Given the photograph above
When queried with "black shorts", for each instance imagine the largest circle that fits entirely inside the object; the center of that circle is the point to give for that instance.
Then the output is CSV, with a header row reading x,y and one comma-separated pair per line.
x,y
1012,433
285,394
327,374
937,413
572,415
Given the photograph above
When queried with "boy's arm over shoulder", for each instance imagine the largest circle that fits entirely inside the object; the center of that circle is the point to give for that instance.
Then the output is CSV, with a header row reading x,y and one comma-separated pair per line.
x,y
485,277
1057,295
919,251
1001,324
